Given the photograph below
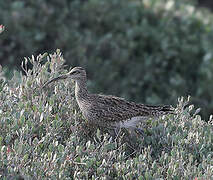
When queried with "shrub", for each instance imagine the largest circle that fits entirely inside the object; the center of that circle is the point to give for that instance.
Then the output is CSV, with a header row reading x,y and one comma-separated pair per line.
x,y
43,135
132,49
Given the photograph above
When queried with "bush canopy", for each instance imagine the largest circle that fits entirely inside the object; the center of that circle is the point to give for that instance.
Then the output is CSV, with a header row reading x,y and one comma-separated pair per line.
x,y
145,51
43,135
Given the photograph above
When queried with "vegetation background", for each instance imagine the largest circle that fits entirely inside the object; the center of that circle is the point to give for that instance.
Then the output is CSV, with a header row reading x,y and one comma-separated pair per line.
x,y
146,51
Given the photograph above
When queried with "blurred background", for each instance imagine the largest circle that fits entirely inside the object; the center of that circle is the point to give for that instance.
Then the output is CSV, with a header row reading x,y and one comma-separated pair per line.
x,y
150,51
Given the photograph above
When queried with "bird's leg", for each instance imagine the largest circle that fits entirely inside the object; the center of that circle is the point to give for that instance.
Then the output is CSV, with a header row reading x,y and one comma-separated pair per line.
x,y
134,130
115,133
140,131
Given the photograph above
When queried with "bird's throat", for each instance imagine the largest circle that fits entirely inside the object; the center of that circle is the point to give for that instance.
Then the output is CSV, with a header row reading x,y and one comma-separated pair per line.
x,y
81,92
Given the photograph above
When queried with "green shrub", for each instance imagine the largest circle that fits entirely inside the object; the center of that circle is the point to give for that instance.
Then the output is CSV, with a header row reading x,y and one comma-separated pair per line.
x,y
43,135
142,52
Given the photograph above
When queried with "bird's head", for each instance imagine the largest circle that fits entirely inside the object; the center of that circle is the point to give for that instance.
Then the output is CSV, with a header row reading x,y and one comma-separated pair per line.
x,y
76,74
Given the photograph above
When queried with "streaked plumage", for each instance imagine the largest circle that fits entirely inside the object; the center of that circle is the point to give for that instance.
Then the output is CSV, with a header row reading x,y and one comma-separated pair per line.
x,y
110,111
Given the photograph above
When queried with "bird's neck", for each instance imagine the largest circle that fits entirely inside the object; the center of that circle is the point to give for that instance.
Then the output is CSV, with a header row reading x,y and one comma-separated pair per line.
x,y
81,92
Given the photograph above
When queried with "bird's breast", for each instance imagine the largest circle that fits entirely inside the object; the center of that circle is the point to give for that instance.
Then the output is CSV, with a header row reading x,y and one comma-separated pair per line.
x,y
85,108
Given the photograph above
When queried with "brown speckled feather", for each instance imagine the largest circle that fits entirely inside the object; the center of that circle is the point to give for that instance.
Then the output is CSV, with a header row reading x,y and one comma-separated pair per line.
x,y
114,109
109,110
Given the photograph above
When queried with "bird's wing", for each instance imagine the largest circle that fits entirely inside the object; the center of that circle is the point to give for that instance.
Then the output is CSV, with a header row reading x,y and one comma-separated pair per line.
x,y
117,109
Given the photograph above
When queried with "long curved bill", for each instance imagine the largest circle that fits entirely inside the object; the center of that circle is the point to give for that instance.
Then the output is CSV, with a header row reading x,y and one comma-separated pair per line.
x,y
64,76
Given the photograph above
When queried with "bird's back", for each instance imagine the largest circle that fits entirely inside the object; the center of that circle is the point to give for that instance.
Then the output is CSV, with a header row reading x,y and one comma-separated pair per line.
x,y
111,109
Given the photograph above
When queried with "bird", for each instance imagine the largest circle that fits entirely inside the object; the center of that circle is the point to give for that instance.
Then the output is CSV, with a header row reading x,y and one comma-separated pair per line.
x,y
107,110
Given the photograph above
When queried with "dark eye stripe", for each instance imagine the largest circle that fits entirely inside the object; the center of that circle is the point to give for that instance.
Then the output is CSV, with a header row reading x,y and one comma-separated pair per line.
x,y
75,72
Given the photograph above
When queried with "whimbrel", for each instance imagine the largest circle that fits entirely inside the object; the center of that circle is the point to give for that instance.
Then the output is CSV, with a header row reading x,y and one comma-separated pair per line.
x,y
107,110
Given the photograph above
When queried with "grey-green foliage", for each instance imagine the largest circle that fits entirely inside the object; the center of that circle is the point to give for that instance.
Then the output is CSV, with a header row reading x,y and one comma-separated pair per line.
x,y
137,51
43,135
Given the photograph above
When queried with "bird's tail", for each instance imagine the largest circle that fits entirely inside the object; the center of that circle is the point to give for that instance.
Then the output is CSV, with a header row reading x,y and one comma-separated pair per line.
x,y
160,110
168,109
